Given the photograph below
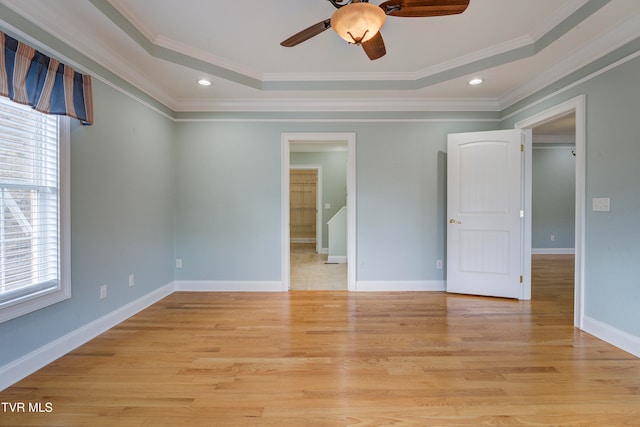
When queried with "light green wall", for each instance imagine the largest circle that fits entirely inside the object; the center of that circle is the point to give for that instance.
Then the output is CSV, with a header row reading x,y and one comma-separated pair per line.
x,y
227,201
121,220
612,251
553,196
334,182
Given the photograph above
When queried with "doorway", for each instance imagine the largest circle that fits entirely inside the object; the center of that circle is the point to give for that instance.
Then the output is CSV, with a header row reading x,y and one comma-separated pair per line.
x,y
314,197
553,214
320,142
575,108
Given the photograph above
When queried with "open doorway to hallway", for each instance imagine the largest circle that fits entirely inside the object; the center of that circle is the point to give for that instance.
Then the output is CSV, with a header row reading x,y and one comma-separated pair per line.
x,y
317,215
575,109
553,239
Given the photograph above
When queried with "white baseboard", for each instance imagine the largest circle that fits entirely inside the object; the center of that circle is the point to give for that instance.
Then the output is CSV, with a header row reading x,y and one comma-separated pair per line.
x,y
337,259
553,251
401,285
20,368
324,251
228,286
621,339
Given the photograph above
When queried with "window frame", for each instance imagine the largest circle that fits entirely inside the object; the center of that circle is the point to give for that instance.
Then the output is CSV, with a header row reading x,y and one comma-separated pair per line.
x,y
38,299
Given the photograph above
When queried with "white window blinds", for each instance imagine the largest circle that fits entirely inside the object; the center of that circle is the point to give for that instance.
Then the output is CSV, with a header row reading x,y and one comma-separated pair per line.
x,y
29,204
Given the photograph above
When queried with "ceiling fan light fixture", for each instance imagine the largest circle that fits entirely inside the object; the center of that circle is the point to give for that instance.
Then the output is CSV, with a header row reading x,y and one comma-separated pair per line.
x,y
358,22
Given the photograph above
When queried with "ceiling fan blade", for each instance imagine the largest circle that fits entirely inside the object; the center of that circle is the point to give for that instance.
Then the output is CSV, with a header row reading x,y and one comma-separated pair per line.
x,y
307,33
374,47
424,8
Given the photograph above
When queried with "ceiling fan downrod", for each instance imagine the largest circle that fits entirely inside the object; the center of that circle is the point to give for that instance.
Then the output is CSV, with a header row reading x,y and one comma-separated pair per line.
x,y
339,3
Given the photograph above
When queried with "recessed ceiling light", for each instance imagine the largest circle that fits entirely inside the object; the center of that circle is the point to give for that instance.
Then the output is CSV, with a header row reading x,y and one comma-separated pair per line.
x,y
476,81
204,82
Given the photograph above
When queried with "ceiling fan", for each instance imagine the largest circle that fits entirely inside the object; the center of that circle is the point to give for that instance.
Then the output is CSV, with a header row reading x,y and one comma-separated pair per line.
x,y
359,22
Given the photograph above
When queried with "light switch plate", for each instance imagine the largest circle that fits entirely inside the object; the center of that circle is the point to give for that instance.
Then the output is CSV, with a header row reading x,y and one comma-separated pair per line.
x,y
601,204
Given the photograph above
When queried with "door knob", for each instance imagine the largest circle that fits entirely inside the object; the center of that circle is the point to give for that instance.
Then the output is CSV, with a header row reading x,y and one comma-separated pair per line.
x,y
453,221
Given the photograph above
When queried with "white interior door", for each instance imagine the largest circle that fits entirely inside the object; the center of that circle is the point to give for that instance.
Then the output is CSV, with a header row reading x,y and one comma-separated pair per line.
x,y
484,207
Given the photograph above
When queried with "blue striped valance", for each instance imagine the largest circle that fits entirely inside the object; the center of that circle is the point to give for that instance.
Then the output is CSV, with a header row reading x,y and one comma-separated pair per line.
x,y
32,78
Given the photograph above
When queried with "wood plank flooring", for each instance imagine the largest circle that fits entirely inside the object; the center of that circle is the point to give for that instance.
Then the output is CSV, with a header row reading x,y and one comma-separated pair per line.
x,y
334,358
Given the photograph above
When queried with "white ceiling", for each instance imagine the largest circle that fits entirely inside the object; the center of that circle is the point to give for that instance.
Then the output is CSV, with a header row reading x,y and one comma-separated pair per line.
x,y
164,46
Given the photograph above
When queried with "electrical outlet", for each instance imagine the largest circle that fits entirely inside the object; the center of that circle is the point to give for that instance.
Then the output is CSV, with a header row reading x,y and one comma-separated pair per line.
x,y
553,237
132,280
439,264
179,263
601,204
103,291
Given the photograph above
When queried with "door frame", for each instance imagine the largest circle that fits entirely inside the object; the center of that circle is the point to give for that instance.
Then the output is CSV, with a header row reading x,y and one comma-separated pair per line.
x,y
318,138
577,106
318,169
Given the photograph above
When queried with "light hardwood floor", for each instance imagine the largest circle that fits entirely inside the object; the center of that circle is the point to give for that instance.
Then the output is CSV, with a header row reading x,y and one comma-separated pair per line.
x,y
327,358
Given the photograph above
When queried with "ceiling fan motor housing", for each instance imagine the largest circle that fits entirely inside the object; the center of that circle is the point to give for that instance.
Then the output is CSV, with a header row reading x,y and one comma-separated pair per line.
x,y
358,22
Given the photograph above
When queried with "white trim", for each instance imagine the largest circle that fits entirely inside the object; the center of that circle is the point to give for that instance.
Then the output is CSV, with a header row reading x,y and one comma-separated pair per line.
x,y
319,210
228,286
572,85
401,285
351,212
39,358
609,41
332,120
339,105
553,251
320,137
527,207
578,105
38,300
596,49
621,339
337,259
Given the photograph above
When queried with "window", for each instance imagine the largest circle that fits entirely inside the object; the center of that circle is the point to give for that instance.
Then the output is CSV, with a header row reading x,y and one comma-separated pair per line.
x,y
34,239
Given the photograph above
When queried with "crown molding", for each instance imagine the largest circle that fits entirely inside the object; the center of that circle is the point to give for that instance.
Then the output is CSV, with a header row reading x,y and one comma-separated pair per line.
x,y
219,61
475,57
603,45
340,105
577,11
174,52
555,20
131,17
481,55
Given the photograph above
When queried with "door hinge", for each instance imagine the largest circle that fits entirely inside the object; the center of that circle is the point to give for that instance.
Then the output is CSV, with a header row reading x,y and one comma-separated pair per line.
x,y
521,279
522,147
